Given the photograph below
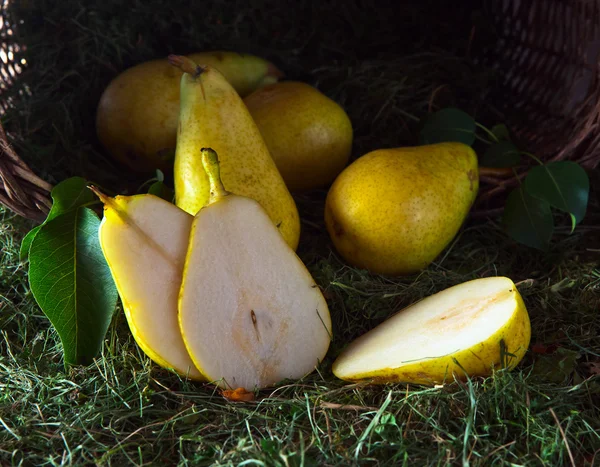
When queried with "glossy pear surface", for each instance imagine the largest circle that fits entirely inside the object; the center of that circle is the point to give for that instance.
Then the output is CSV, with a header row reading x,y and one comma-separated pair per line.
x,y
137,114
393,211
213,115
144,240
308,134
478,324
250,312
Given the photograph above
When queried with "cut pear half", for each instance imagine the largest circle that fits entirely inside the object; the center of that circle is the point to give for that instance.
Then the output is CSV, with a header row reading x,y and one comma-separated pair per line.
x,y
144,240
466,330
250,312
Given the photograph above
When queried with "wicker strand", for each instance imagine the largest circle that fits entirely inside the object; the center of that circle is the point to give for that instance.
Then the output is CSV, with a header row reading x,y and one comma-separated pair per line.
x,y
21,190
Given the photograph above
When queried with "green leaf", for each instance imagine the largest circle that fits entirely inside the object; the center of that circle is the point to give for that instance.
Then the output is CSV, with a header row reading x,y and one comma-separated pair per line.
x,y
72,284
502,154
564,185
528,220
162,191
448,125
68,194
26,242
501,132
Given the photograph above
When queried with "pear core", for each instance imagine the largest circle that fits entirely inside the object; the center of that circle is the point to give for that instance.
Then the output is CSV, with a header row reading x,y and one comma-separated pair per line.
x,y
250,312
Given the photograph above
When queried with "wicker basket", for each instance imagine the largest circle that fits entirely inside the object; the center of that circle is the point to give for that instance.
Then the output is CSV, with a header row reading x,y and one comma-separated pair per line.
x,y
545,51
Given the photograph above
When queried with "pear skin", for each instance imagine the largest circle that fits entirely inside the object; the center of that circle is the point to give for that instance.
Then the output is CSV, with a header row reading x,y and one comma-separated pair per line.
x,y
393,211
308,134
245,72
213,115
136,118
470,329
144,240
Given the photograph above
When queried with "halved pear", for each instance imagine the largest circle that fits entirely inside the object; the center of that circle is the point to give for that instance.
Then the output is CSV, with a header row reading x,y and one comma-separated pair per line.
x,y
250,312
144,240
469,329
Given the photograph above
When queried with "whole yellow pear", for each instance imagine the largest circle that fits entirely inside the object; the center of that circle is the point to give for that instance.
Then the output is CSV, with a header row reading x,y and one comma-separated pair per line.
x,y
308,134
392,211
212,115
136,118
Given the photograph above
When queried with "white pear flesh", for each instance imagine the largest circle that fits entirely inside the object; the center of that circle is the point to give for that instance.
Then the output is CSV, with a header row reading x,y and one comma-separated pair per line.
x,y
476,323
250,312
144,240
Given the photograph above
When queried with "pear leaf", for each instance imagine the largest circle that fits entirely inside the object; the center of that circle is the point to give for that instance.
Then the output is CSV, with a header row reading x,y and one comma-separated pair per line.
x,y
72,284
26,242
502,154
448,124
501,132
528,220
564,185
162,191
68,194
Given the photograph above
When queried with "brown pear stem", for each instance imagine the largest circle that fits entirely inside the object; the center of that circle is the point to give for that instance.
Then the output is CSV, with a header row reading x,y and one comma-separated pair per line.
x,y
210,162
185,64
275,72
106,200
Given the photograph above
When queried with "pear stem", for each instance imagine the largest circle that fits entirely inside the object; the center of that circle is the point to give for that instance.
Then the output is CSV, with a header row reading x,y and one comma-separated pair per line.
x,y
106,200
210,162
186,65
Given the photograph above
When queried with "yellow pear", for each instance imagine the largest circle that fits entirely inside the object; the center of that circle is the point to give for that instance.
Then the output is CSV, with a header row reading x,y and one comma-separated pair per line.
x,y
470,330
144,240
136,119
213,115
308,134
250,312
392,211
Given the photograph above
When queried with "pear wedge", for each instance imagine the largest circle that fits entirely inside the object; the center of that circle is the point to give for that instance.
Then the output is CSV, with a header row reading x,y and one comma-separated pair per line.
x,y
469,329
250,312
144,240
213,115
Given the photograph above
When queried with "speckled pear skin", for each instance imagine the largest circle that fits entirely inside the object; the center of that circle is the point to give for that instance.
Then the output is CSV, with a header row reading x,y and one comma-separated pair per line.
x,y
308,134
504,349
393,211
213,115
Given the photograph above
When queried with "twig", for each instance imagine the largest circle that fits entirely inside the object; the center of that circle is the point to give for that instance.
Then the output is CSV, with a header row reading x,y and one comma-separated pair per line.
x,y
495,171
331,405
504,446
564,437
328,428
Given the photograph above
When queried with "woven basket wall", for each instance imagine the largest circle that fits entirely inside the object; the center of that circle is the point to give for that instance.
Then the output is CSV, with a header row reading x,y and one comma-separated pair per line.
x,y
549,57
546,53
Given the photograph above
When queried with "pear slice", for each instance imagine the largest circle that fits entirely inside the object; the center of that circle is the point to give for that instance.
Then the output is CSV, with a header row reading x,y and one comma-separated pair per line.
x,y
250,312
468,329
144,240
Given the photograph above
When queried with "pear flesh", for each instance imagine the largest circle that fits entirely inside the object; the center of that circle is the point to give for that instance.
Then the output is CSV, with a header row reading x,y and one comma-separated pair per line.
x,y
250,312
144,240
476,323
